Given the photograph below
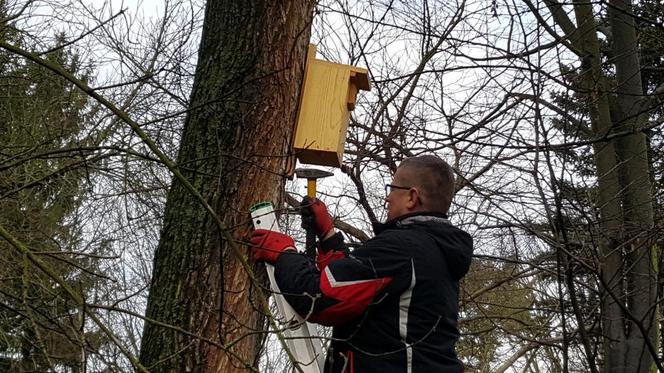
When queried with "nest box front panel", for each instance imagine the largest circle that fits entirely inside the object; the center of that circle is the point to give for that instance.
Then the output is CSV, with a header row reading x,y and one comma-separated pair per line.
x,y
323,116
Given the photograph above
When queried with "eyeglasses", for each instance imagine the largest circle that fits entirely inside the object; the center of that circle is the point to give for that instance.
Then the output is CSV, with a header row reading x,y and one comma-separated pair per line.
x,y
389,187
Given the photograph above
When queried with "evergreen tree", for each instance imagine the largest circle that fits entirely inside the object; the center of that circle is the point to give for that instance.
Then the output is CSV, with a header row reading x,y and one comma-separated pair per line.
x,y
42,173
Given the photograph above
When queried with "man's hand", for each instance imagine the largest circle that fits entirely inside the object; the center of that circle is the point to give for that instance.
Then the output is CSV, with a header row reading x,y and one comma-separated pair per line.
x,y
268,245
315,216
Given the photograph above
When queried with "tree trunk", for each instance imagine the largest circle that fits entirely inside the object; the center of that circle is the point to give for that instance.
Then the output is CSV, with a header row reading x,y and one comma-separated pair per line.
x,y
233,148
640,336
594,85
624,192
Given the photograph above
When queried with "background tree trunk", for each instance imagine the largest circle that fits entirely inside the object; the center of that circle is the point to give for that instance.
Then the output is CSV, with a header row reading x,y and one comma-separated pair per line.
x,y
243,107
630,116
624,193
594,86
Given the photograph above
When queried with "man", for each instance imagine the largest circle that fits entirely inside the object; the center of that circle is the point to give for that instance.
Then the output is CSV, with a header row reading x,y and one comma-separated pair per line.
x,y
393,302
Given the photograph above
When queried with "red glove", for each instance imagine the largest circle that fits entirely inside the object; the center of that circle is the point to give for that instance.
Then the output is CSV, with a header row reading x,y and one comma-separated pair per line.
x,y
268,245
314,215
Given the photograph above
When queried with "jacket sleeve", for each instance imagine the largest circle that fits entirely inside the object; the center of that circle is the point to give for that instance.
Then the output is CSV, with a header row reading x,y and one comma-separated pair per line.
x,y
340,286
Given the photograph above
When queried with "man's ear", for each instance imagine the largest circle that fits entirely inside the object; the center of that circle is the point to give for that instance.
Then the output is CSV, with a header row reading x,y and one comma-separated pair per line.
x,y
413,198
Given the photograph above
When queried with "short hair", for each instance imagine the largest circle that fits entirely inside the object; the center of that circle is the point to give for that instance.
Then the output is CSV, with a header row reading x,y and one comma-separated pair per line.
x,y
435,179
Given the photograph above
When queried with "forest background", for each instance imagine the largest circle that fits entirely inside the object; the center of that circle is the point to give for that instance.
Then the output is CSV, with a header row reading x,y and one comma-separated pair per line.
x,y
134,138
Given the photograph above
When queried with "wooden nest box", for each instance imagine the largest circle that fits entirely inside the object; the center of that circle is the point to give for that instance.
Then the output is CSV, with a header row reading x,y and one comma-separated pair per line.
x,y
328,95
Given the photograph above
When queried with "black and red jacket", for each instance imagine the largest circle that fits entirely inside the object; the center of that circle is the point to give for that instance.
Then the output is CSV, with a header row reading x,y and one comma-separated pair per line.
x,y
393,302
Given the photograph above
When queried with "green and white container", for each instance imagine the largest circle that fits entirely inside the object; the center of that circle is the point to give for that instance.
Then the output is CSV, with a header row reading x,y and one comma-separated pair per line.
x,y
300,335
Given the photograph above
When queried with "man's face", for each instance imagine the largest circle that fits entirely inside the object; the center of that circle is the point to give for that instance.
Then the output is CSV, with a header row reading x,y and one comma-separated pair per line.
x,y
399,201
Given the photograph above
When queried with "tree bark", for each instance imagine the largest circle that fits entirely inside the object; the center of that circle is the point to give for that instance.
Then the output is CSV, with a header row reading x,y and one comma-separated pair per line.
x,y
595,90
625,194
233,147
640,336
